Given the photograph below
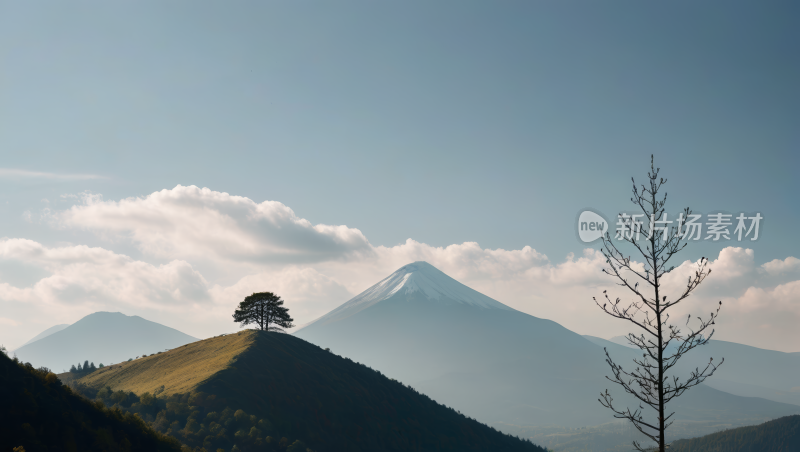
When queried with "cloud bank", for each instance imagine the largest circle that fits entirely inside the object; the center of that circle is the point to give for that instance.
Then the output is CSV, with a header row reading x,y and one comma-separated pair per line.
x,y
315,268
190,222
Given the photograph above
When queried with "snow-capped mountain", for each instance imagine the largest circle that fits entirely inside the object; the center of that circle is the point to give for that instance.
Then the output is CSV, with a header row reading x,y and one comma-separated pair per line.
x,y
419,279
487,360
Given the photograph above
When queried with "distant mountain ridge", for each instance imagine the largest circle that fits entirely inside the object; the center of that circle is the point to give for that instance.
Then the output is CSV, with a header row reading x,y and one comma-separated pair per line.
x,y
102,337
45,333
747,371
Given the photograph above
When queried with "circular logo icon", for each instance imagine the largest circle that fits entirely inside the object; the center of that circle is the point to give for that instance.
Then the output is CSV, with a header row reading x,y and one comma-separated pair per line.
x,y
591,226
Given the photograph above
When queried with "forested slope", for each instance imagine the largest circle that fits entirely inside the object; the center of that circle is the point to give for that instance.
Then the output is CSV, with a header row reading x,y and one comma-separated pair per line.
x,y
40,414
779,435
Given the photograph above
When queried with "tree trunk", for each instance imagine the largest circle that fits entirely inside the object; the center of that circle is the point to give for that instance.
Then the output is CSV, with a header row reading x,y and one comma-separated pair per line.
x,y
654,255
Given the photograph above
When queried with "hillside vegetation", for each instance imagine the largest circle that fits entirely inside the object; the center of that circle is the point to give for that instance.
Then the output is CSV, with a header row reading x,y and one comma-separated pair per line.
x,y
199,421
302,391
40,414
779,435
179,371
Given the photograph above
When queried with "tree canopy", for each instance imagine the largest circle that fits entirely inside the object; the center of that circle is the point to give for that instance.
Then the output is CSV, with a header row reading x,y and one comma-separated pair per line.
x,y
263,309
40,414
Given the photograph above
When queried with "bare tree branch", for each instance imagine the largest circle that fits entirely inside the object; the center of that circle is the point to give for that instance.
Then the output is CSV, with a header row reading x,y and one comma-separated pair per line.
x,y
665,343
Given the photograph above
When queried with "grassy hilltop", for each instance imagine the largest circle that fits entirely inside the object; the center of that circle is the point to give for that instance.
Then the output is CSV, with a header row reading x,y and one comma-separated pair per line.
x,y
181,370
300,391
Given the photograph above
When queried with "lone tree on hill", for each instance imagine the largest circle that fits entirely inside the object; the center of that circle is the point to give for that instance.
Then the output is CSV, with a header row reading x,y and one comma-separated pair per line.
x,y
263,309
662,343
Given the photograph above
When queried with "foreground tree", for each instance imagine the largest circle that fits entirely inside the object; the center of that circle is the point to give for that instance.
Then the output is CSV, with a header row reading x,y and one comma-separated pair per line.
x,y
263,309
661,342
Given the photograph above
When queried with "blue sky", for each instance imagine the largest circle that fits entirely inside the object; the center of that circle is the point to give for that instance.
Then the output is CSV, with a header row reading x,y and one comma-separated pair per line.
x,y
443,122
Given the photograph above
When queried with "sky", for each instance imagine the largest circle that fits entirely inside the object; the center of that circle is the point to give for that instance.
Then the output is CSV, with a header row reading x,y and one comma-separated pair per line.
x,y
168,159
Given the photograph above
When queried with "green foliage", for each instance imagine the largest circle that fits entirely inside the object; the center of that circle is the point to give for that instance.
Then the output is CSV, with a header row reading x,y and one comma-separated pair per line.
x,y
84,369
278,389
263,309
782,434
197,420
40,414
297,446
147,400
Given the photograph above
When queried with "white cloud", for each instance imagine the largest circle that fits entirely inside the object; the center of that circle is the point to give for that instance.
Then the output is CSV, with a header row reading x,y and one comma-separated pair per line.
x,y
307,292
784,299
266,247
17,174
790,265
86,279
84,276
190,222
765,317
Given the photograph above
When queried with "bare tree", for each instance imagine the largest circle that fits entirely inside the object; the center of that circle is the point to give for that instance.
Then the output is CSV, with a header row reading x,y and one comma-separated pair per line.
x,y
662,342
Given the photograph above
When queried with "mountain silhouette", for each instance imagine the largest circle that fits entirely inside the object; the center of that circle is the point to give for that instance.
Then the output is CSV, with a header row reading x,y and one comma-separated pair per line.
x,y
102,337
492,362
747,372
45,333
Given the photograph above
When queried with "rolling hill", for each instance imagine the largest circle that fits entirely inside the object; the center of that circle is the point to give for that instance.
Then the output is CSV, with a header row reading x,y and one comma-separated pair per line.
x,y
303,391
39,414
102,337
779,435
502,366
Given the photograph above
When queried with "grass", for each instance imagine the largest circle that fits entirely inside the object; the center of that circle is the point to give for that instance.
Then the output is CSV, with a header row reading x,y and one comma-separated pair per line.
x,y
304,392
180,370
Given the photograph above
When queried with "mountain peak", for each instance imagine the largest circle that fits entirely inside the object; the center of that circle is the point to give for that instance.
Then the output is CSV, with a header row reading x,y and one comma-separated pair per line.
x,y
107,337
415,280
422,278
431,283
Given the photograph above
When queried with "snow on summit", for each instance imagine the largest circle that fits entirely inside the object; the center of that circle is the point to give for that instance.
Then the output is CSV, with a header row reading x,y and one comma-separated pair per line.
x,y
428,280
418,278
